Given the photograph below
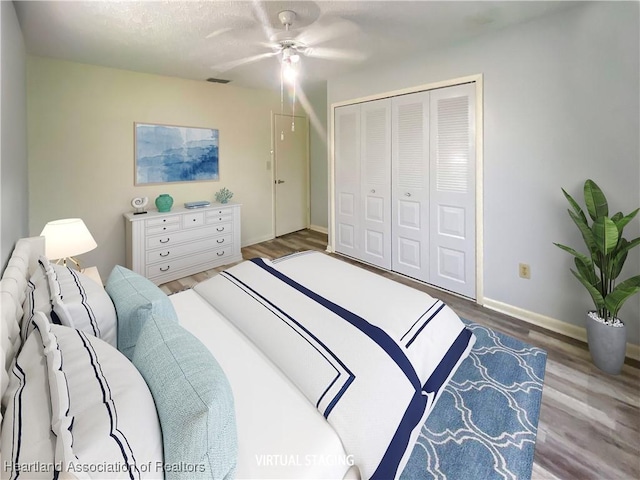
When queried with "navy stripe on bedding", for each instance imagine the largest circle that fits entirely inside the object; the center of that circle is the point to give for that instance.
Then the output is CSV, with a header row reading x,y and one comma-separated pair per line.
x,y
110,407
279,313
424,325
419,318
375,333
90,315
413,416
16,444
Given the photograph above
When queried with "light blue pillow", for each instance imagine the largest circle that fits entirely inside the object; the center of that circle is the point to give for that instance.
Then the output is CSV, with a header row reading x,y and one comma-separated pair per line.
x,y
136,300
193,399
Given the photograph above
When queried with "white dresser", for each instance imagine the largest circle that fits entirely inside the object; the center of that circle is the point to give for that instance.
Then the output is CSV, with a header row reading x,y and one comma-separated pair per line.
x,y
167,246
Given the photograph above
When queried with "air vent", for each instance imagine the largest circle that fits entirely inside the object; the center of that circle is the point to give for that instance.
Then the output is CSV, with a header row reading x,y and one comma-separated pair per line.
x,y
217,80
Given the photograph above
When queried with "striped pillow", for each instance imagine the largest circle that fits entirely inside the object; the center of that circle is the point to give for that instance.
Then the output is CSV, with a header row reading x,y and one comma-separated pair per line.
x,y
75,404
38,297
81,303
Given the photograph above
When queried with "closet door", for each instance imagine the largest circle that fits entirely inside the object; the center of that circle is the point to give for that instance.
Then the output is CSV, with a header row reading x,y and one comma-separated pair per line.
x,y
375,175
452,189
410,185
347,180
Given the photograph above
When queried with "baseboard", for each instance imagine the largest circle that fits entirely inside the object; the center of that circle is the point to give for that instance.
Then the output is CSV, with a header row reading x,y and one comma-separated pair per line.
x,y
318,228
555,325
253,241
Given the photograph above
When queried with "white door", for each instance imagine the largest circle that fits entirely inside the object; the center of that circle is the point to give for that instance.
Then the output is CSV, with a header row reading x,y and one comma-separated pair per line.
x,y
452,189
347,180
375,175
410,185
291,158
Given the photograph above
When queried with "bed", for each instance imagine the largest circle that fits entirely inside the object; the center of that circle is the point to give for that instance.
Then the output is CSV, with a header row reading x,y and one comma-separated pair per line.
x,y
301,367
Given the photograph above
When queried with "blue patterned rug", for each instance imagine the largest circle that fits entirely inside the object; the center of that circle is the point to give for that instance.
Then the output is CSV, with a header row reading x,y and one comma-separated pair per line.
x,y
485,423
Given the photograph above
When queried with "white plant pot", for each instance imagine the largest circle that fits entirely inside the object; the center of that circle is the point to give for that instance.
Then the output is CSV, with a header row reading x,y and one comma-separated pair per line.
x,y
607,345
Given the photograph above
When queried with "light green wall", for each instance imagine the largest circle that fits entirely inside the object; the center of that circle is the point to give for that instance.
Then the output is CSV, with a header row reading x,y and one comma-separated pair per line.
x,y
318,155
81,147
13,119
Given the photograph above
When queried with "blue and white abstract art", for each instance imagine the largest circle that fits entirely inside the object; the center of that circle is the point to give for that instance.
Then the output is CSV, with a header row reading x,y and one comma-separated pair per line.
x,y
166,153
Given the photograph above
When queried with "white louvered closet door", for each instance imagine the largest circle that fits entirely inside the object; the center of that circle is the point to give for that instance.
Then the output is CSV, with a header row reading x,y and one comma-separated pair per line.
x,y
375,175
347,180
410,185
452,189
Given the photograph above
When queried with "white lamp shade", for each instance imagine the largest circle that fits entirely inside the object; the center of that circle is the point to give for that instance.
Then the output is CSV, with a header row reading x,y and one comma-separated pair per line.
x,y
66,238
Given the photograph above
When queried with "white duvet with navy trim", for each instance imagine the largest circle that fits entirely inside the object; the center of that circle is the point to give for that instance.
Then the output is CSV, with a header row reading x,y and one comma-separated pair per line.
x,y
371,354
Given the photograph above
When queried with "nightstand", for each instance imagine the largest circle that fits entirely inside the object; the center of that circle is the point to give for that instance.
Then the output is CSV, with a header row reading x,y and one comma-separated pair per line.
x,y
93,274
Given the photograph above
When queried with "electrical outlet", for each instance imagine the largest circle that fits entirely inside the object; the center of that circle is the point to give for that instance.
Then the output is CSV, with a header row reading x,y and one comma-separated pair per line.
x,y
525,270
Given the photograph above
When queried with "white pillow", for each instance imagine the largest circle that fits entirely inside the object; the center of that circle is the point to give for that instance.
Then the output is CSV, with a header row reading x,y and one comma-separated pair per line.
x,y
81,303
76,403
38,297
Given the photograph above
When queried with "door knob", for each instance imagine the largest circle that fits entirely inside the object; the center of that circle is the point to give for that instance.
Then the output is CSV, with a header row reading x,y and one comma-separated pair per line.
x,y
279,181
407,194
373,190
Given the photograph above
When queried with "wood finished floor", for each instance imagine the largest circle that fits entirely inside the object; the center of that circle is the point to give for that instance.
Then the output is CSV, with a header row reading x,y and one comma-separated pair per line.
x,y
589,425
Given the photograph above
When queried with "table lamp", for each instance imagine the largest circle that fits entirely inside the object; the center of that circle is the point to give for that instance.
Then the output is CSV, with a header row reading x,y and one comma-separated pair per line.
x,y
67,238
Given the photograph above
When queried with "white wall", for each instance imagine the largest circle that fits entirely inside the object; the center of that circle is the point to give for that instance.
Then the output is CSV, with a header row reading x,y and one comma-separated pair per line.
x,y
561,97
14,201
81,147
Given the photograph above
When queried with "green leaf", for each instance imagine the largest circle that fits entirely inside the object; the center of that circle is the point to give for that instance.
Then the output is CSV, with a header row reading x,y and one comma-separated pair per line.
x,y
575,206
583,263
623,221
587,234
620,256
617,217
621,293
605,234
595,200
596,296
587,270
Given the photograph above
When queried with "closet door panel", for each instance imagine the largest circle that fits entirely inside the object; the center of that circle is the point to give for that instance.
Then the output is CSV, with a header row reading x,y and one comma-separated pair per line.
x,y
375,175
452,189
347,180
410,185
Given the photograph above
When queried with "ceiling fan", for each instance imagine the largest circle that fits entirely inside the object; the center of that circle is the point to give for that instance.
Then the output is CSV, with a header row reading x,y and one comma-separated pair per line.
x,y
290,45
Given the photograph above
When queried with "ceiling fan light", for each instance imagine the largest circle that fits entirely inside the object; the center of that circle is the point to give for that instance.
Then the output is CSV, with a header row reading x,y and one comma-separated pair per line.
x,y
289,73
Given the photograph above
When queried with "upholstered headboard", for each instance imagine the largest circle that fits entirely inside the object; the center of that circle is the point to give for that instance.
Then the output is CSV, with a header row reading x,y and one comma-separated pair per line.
x,y
22,263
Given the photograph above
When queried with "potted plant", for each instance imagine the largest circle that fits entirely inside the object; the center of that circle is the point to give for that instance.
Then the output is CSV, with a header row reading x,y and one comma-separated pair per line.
x,y
598,271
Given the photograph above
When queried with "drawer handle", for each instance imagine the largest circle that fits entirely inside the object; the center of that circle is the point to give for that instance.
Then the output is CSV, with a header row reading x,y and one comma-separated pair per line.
x,y
193,220
407,194
220,241
220,253
220,229
220,218
165,254
164,219
165,269
219,212
165,241
164,228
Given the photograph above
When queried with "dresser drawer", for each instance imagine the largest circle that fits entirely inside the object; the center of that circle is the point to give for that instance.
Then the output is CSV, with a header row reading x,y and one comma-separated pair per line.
x,y
190,220
154,222
175,251
169,227
183,236
223,228
185,263
215,217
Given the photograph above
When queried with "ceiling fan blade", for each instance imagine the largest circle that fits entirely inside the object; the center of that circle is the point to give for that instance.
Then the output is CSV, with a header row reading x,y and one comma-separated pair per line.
x,y
335,54
327,29
223,67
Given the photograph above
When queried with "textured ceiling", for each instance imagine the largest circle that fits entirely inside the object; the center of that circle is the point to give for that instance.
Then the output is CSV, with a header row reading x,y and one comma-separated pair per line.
x,y
202,39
